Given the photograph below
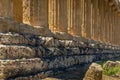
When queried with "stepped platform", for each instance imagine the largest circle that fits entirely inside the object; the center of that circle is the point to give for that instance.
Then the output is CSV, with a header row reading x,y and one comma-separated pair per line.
x,y
27,54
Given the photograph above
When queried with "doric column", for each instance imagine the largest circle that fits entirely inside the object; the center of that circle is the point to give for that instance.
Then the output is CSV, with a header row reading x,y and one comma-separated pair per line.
x,y
110,24
83,18
101,16
98,20
6,8
58,15
106,22
18,10
26,11
114,27
95,19
74,17
35,12
88,18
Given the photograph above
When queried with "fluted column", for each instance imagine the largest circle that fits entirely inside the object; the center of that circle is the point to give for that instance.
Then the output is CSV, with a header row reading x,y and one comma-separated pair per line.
x,y
18,10
88,18
74,17
101,16
83,18
35,12
113,39
6,8
115,28
58,15
26,11
94,14
110,24
106,21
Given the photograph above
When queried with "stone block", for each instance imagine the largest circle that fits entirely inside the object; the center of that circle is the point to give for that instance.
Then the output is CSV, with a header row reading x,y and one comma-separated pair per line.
x,y
14,52
94,72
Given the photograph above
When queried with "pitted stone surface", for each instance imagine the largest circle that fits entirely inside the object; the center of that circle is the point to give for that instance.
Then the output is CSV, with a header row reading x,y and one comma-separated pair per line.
x,y
14,52
21,67
69,43
51,42
63,36
9,38
12,26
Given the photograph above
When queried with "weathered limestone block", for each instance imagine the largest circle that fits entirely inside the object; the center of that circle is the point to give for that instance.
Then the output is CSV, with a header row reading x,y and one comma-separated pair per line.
x,y
38,76
14,52
12,68
9,38
6,7
69,43
11,26
63,36
42,51
23,67
56,52
94,72
111,64
51,42
76,50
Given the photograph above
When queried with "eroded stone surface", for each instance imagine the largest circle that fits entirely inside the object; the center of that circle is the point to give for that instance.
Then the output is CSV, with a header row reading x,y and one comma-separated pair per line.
x,y
9,38
94,72
14,51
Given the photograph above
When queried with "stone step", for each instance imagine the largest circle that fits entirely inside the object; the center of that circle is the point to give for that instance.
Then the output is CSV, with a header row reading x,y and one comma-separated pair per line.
x,y
15,51
24,67
15,38
7,25
53,42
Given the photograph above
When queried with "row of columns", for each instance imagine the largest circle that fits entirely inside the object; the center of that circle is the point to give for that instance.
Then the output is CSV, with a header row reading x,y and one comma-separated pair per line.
x,y
92,19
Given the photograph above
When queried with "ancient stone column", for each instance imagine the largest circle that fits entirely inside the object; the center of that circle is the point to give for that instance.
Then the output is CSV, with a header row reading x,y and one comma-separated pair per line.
x,y
26,11
6,8
83,18
101,16
116,29
95,19
58,20
106,21
113,33
88,18
110,24
18,10
35,12
74,17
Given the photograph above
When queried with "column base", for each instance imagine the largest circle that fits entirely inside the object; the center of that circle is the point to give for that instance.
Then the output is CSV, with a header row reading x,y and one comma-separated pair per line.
x,y
63,36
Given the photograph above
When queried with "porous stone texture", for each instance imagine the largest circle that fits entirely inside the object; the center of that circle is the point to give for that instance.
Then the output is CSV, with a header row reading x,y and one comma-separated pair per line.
x,y
25,55
6,8
29,53
63,35
7,25
9,38
111,64
94,72
14,52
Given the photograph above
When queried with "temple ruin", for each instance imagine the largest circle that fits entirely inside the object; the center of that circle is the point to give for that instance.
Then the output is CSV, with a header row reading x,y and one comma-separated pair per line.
x,y
40,38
